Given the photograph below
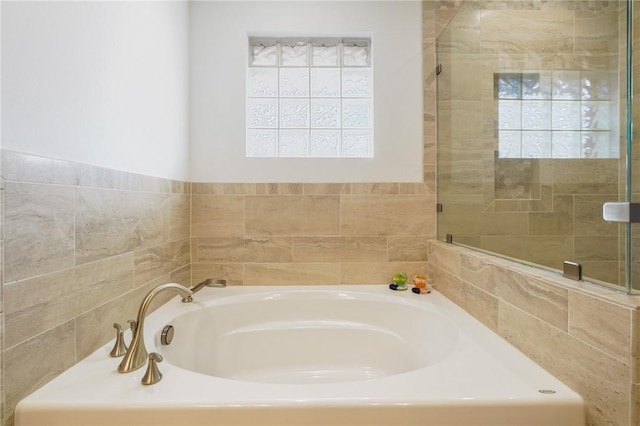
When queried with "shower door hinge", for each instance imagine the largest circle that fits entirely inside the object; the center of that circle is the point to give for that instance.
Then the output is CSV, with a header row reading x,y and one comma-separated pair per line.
x,y
621,212
572,270
449,238
439,207
438,69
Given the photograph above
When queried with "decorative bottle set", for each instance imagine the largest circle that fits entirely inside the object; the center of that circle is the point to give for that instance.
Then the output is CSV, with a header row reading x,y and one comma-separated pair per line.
x,y
420,285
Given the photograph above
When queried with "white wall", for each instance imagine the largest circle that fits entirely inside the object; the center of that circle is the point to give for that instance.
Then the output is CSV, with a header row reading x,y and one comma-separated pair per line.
x,y
218,45
108,83
103,83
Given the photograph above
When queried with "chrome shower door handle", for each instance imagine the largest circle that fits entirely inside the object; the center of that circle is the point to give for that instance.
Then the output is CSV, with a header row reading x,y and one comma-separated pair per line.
x,y
621,212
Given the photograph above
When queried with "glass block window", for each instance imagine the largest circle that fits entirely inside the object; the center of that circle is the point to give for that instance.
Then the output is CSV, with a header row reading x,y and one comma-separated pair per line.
x,y
309,98
555,114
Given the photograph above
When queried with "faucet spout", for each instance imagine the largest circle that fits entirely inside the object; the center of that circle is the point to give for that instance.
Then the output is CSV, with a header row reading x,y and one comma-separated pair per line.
x,y
196,288
136,355
208,283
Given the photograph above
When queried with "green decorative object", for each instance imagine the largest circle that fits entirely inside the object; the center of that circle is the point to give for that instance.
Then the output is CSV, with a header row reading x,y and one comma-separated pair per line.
x,y
399,281
400,278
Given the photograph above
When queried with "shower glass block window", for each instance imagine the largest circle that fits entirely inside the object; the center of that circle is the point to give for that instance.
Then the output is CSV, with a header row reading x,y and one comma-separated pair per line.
x,y
554,114
309,97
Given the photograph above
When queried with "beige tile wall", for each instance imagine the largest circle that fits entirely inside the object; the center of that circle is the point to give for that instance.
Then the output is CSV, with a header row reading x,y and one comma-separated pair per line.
x,y
83,245
310,233
585,335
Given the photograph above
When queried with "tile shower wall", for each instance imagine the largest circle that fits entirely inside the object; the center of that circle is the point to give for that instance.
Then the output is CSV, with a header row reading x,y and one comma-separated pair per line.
x,y
586,336
83,246
545,210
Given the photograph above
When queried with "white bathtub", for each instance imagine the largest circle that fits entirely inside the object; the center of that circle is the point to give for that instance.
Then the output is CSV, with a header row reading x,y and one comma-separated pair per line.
x,y
307,356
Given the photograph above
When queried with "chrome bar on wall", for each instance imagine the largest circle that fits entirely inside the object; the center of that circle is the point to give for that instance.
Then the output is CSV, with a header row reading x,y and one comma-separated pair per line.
x,y
621,212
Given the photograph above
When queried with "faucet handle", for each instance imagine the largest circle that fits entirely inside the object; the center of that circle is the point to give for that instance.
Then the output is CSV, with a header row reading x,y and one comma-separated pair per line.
x,y
132,325
153,374
119,349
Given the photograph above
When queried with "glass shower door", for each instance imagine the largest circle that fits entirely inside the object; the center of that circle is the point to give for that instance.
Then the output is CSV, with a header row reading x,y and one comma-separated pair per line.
x,y
532,132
